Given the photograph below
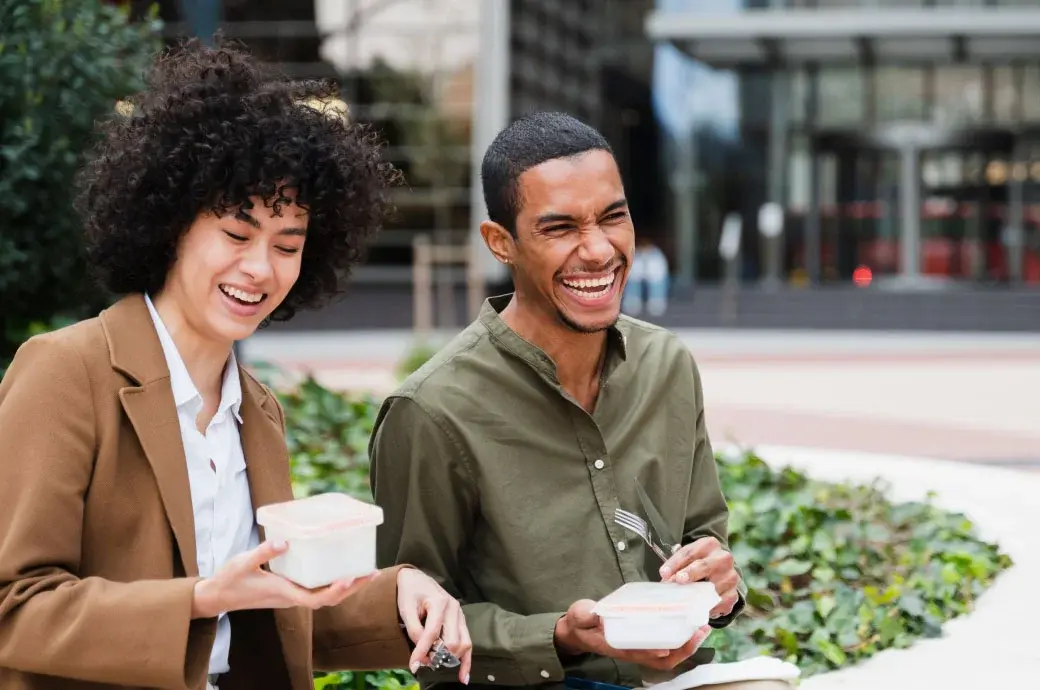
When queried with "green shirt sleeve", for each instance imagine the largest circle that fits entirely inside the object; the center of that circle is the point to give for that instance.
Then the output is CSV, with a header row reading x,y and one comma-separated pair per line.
x,y
422,478
707,514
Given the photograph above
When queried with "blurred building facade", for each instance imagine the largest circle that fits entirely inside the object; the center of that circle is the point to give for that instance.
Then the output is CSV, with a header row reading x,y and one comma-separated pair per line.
x,y
899,139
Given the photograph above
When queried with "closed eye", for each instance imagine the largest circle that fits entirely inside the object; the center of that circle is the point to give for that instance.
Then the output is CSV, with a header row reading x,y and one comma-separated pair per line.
x,y
236,238
615,217
289,250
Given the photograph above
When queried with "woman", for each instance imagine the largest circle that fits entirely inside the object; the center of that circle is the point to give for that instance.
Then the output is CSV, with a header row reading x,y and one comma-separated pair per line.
x,y
135,450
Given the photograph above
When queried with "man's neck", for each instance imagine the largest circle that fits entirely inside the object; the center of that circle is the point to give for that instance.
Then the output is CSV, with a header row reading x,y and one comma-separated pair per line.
x,y
578,356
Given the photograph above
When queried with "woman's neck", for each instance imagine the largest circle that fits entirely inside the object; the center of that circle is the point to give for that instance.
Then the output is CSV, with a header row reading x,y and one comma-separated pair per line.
x,y
203,358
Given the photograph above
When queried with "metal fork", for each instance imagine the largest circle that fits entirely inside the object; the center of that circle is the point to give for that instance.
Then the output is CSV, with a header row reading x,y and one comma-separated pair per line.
x,y
636,524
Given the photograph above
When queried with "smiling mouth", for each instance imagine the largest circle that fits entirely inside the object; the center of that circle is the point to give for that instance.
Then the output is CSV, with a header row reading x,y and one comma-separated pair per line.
x,y
249,299
591,288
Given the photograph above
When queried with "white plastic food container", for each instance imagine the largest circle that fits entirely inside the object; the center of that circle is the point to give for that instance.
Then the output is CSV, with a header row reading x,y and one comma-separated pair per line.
x,y
655,615
331,537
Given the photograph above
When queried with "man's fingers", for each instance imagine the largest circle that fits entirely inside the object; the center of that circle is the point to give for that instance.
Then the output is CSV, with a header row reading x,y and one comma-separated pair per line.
x,y
687,554
715,567
725,580
581,614
724,607
677,656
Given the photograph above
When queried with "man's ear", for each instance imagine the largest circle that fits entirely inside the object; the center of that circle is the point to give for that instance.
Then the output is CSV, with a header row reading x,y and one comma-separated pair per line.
x,y
499,241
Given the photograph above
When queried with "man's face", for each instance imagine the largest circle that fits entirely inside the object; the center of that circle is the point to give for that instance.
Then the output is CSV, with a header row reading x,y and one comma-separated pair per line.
x,y
574,240
232,271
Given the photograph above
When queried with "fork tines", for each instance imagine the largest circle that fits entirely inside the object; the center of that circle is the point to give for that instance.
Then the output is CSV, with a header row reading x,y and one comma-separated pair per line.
x,y
625,518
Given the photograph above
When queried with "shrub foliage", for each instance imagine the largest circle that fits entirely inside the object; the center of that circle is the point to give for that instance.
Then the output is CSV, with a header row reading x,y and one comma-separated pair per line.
x,y
63,65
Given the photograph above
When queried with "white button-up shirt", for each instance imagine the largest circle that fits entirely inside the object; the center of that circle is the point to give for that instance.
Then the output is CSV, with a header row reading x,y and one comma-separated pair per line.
x,y
220,500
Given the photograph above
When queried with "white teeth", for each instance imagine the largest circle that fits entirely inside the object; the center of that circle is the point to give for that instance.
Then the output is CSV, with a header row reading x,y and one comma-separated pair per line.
x,y
253,297
588,283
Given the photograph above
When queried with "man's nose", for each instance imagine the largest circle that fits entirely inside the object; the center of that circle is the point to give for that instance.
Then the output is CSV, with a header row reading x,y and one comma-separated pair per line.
x,y
596,248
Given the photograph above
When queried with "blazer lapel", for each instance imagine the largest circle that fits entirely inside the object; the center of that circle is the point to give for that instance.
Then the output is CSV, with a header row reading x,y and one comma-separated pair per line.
x,y
149,409
135,351
263,444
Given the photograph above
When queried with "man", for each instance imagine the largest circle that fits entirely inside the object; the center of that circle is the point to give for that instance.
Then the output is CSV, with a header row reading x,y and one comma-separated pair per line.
x,y
499,464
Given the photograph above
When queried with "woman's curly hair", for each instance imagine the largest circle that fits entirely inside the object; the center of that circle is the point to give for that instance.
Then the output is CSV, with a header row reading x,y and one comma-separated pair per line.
x,y
214,128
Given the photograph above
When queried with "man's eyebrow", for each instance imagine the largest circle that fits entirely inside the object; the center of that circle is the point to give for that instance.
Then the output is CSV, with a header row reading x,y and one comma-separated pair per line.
x,y
546,218
295,232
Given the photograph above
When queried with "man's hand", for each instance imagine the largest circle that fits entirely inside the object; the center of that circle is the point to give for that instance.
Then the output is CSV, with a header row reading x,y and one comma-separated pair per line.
x,y
429,612
705,559
243,584
580,631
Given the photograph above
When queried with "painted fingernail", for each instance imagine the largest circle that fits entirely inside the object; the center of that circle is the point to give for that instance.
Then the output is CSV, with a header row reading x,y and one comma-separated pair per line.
x,y
414,667
465,681
279,544
683,577
665,571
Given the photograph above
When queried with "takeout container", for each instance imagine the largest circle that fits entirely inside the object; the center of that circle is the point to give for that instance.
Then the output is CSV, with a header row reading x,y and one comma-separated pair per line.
x,y
331,537
655,615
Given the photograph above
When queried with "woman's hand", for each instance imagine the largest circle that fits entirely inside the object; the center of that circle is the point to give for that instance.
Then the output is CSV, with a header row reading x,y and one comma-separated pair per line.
x,y
243,584
429,612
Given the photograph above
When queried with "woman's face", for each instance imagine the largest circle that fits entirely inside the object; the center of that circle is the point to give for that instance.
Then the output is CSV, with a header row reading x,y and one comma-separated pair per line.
x,y
232,271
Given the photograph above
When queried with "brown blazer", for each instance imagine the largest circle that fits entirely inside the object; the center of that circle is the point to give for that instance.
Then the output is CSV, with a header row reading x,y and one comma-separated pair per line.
x,y
97,543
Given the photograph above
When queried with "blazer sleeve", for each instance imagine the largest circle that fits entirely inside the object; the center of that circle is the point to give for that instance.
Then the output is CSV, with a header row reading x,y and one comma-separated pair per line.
x,y
52,621
364,633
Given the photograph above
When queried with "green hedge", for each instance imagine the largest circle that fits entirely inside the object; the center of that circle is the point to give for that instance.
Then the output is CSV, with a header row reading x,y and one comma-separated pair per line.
x,y
837,572
63,65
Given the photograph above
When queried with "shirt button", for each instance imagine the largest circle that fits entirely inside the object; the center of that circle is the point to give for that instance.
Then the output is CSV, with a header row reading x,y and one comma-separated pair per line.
x,y
491,679
621,546
599,464
545,674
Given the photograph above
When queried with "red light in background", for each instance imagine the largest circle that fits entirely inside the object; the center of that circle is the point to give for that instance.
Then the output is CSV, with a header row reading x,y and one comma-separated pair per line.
x,y
862,276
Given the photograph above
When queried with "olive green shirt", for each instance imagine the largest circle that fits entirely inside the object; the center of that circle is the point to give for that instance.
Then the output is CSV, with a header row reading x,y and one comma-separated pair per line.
x,y
498,484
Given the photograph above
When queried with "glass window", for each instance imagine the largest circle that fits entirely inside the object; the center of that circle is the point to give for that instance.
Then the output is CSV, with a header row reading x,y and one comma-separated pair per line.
x,y
959,95
900,93
840,96
1005,94
1031,93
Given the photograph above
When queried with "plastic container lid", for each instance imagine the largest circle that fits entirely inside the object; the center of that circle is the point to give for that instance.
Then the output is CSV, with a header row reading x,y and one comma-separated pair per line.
x,y
658,598
318,515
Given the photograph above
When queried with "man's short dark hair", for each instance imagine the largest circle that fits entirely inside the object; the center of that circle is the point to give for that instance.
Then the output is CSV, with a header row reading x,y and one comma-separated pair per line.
x,y
527,142
214,128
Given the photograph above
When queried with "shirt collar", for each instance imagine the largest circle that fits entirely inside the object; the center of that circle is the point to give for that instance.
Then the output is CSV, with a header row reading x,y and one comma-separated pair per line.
x,y
184,390
490,317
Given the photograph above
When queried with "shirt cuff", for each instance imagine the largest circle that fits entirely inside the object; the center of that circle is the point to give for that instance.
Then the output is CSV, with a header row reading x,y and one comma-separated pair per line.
x,y
532,657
